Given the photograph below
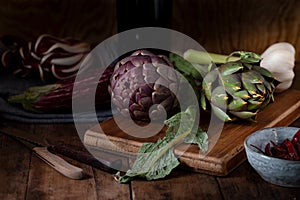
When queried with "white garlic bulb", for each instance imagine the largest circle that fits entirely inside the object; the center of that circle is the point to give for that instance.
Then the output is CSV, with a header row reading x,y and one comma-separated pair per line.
x,y
279,59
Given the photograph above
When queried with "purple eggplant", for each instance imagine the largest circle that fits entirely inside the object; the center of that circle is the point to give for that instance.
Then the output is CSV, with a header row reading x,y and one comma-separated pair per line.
x,y
58,97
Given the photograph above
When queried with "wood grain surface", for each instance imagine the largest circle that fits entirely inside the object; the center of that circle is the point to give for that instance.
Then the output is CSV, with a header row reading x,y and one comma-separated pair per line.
x,y
15,166
92,20
224,26
220,26
24,176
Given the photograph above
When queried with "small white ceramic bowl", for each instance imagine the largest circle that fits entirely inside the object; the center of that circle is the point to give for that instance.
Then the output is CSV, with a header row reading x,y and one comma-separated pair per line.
x,y
274,170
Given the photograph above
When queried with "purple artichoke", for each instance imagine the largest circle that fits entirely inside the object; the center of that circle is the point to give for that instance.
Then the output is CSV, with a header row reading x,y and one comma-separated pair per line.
x,y
48,58
142,84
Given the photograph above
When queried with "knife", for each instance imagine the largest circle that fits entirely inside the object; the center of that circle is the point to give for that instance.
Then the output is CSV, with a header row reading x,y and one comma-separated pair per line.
x,y
107,162
51,159
104,160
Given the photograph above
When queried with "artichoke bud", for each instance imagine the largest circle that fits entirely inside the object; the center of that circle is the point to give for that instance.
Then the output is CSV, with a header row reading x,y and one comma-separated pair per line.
x,y
144,85
247,90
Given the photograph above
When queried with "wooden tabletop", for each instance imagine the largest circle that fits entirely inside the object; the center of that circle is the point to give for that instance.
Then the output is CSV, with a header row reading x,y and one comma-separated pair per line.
x,y
24,176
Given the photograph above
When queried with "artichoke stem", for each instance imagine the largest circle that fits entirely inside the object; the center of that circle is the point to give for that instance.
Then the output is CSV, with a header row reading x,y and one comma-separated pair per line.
x,y
204,58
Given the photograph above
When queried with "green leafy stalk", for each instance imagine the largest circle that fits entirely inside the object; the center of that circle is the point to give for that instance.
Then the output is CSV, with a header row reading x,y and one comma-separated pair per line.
x,y
157,160
204,58
200,138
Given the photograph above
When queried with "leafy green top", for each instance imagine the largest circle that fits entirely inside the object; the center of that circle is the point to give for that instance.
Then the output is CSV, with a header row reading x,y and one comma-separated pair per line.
x,y
157,160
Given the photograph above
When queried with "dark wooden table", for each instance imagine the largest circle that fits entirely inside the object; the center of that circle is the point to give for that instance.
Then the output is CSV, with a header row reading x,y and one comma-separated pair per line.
x,y
24,176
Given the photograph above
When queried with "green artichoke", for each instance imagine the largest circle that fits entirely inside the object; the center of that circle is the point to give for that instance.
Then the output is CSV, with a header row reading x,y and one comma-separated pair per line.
x,y
142,84
238,89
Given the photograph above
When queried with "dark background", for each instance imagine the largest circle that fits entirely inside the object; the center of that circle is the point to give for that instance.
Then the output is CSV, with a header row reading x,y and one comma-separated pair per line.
x,y
220,26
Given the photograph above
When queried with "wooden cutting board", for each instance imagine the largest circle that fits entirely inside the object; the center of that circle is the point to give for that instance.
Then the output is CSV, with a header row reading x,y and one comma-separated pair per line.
x,y
225,156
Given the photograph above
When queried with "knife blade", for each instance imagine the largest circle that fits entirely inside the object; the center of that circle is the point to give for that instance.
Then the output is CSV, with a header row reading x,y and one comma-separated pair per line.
x,y
104,161
51,159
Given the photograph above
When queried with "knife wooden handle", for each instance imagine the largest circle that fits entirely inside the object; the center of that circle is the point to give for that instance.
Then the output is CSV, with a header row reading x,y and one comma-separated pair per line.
x,y
58,163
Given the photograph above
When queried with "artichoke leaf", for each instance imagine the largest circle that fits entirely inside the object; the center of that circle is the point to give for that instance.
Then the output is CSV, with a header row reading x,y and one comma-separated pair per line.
x,y
250,87
231,84
219,97
244,114
237,104
230,68
254,105
203,101
208,82
221,114
268,86
261,88
252,77
242,94
263,71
